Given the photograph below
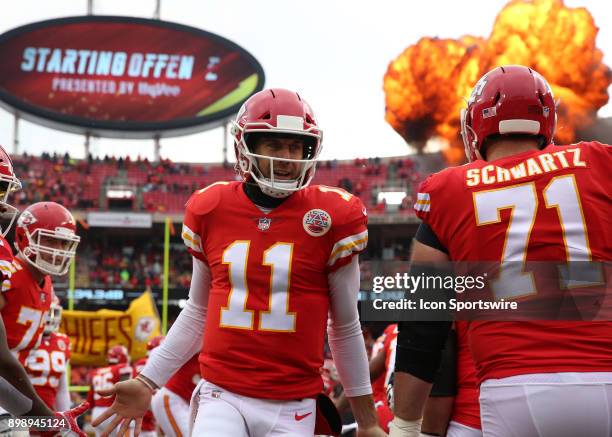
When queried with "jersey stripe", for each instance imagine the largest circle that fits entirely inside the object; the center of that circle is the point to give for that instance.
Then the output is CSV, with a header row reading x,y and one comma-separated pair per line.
x,y
423,202
347,246
191,239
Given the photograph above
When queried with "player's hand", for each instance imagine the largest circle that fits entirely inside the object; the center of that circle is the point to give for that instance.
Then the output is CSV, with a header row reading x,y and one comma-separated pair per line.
x,y
132,400
70,417
373,431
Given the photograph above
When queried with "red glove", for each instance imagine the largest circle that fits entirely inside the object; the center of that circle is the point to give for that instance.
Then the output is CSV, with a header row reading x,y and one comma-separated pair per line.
x,y
69,417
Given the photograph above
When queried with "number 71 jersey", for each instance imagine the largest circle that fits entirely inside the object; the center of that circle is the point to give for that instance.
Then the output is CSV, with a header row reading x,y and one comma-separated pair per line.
x,y
269,295
542,205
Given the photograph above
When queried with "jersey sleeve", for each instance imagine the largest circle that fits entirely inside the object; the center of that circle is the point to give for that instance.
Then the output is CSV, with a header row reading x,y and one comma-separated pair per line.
x,y
191,233
201,203
350,234
433,192
422,206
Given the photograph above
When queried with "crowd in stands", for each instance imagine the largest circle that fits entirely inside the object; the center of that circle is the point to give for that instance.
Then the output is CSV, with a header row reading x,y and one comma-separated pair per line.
x,y
164,186
134,265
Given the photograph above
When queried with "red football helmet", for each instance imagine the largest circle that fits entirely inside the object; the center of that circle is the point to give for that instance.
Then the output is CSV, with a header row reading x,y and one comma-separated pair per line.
x,y
53,318
45,236
118,354
276,111
8,184
512,99
154,342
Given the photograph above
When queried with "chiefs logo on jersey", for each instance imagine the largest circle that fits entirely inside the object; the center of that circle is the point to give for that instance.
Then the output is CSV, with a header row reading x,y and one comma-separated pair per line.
x,y
317,222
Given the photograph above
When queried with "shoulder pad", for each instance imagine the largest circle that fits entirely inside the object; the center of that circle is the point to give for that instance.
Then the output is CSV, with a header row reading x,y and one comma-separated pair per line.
x,y
343,205
206,199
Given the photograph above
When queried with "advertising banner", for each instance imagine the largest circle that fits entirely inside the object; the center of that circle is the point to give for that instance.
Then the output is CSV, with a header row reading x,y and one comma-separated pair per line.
x,y
124,76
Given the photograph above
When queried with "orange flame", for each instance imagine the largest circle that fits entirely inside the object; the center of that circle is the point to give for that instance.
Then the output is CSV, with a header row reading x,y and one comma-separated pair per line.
x,y
426,85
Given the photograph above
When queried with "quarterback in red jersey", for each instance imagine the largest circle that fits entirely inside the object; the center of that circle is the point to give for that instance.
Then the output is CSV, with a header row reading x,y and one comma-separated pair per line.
x,y
118,369
272,257
520,199
47,364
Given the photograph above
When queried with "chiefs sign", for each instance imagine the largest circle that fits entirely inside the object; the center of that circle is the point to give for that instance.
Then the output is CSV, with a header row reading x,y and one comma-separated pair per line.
x,y
92,333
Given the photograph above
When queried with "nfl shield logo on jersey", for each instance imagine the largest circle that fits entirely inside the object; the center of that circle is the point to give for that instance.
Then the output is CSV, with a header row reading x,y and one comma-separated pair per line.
x,y
316,222
264,223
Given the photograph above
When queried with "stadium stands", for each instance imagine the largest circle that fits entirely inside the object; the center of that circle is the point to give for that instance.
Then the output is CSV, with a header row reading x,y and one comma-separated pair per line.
x,y
165,186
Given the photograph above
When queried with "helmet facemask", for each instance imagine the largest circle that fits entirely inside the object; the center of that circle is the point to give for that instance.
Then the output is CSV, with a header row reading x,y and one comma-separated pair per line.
x,y
8,213
247,164
53,318
43,252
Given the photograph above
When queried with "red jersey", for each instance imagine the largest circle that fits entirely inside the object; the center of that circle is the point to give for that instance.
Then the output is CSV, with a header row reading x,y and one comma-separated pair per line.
x,y
46,364
184,381
26,303
378,385
385,344
466,409
269,295
390,342
550,204
103,378
148,420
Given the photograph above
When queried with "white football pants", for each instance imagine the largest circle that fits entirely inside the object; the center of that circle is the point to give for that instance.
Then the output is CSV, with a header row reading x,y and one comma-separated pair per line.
x,y
220,413
456,429
547,405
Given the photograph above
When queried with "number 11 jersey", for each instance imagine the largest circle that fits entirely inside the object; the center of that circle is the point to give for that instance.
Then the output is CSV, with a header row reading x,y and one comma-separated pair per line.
x,y
269,296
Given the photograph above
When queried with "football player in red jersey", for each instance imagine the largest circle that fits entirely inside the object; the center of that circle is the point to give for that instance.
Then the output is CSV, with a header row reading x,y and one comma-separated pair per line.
x,y
46,241
148,420
17,396
521,198
273,257
102,378
47,363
